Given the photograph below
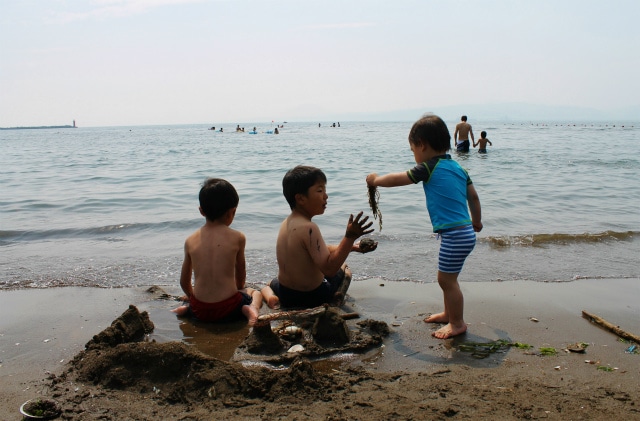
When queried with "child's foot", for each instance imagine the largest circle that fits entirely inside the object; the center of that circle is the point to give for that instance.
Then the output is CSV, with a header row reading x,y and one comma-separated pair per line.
x,y
437,318
273,302
181,311
251,314
449,331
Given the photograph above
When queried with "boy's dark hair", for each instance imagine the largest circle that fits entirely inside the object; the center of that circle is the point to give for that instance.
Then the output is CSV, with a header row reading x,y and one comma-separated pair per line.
x,y
298,180
483,134
217,196
463,118
431,130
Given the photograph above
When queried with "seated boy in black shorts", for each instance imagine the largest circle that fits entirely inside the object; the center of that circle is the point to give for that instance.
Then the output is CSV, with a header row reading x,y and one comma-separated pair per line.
x,y
310,272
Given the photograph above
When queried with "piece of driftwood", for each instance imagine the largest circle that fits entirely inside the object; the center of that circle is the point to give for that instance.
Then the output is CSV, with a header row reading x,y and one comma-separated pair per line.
x,y
349,316
615,329
293,314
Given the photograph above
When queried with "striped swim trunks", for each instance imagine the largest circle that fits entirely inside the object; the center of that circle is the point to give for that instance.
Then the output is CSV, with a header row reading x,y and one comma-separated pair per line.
x,y
456,245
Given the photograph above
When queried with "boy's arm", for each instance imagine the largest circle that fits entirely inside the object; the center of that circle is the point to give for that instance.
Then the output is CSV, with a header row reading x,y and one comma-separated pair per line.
x,y
329,259
471,134
474,206
356,248
389,180
489,142
241,265
185,274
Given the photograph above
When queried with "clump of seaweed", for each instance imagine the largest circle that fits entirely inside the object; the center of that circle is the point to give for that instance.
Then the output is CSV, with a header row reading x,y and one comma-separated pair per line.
x,y
548,350
482,350
374,200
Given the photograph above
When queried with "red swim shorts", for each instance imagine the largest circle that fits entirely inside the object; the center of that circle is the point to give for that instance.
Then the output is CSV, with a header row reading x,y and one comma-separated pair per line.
x,y
226,310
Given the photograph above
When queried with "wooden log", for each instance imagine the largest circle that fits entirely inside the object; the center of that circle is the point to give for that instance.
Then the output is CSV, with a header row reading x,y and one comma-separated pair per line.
x,y
610,327
294,314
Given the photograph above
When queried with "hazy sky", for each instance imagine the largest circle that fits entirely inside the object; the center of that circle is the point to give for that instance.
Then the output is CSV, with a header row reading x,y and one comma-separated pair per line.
x,y
132,62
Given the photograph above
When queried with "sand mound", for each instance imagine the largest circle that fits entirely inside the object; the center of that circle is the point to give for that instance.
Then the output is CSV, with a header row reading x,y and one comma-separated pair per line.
x,y
119,358
131,326
123,376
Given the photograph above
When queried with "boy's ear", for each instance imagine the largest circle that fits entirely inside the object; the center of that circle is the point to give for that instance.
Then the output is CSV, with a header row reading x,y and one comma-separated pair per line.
x,y
201,211
300,198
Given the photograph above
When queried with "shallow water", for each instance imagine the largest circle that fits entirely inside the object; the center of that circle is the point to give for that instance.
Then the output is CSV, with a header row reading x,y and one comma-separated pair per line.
x,y
111,207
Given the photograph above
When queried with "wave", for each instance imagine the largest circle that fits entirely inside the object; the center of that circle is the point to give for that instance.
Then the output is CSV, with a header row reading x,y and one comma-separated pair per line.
x,y
538,240
104,232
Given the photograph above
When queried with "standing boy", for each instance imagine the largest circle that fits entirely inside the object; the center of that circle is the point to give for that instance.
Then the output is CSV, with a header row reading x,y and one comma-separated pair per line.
x,y
448,190
310,272
482,142
215,255
461,135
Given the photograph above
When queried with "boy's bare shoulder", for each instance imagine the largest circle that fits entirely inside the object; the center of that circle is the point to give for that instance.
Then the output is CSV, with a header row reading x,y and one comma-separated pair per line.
x,y
297,221
298,228
226,231
194,236
239,235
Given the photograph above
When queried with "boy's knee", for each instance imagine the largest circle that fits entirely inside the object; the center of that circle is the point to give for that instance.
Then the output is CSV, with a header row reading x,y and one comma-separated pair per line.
x,y
445,278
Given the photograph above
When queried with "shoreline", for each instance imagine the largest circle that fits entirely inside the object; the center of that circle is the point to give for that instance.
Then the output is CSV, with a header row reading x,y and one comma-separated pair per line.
x,y
43,329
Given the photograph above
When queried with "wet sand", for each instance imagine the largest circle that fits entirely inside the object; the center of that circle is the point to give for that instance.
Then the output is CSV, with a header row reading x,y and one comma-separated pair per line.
x,y
42,330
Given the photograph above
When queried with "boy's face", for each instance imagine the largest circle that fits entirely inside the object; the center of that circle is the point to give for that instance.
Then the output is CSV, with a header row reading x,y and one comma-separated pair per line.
x,y
315,201
420,153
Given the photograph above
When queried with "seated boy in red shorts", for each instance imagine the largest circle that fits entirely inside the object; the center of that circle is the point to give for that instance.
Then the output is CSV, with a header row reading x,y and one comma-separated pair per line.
x,y
215,256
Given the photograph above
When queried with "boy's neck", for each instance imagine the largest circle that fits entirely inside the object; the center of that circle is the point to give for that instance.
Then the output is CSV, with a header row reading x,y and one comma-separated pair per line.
x,y
220,222
225,219
432,154
298,211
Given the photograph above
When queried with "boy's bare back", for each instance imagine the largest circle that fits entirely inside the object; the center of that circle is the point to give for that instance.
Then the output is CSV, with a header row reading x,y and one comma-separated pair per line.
x,y
482,142
215,254
300,249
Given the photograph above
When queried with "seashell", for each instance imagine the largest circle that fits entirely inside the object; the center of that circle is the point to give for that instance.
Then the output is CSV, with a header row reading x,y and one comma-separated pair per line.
x,y
292,330
296,348
580,347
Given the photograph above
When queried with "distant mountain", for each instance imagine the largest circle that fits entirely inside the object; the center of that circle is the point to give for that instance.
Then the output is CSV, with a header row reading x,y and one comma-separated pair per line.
x,y
500,112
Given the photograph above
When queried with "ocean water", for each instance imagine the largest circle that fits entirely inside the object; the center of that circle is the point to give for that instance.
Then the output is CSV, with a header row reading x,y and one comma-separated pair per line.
x,y
111,207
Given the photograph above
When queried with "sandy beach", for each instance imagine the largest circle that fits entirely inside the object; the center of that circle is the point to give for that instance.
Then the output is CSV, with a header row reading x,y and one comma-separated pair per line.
x,y
411,376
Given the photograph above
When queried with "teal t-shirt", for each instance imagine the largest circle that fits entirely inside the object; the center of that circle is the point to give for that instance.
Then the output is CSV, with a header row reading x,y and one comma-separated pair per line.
x,y
445,187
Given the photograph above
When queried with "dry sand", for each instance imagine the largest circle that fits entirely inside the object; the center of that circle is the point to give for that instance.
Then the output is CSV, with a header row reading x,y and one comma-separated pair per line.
x,y
412,376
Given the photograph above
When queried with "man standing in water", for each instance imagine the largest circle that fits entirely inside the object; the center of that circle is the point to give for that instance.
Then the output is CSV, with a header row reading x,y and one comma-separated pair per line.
x,y
464,129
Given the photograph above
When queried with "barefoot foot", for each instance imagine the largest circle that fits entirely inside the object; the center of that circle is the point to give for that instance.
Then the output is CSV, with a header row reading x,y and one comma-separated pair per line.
x,y
449,331
273,302
251,314
180,311
437,318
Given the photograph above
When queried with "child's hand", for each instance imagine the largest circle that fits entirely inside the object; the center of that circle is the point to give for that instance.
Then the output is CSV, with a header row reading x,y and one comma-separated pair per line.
x,y
477,227
371,178
357,228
